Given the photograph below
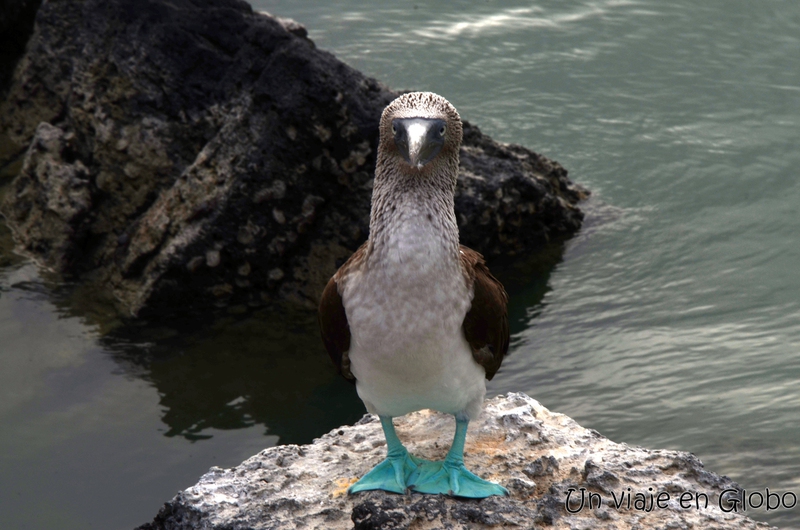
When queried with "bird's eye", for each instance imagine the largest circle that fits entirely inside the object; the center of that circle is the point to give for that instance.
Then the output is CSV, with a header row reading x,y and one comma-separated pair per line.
x,y
394,129
441,131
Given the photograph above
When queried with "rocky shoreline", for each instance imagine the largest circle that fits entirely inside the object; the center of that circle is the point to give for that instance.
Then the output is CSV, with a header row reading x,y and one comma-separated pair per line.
x,y
188,154
191,153
552,467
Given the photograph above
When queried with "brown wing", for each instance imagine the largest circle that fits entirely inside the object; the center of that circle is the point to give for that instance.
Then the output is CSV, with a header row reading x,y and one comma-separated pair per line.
x,y
486,322
333,324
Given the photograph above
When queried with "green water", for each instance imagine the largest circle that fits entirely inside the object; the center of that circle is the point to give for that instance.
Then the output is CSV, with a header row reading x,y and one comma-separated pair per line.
x,y
671,321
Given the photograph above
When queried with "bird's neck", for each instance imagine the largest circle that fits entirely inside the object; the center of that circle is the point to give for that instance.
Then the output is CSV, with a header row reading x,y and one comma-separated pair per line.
x,y
413,213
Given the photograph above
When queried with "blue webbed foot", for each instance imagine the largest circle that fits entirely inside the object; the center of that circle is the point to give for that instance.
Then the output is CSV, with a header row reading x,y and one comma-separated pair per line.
x,y
453,478
390,475
393,473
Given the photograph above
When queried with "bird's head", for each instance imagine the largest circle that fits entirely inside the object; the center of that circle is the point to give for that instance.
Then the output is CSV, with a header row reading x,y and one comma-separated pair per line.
x,y
420,128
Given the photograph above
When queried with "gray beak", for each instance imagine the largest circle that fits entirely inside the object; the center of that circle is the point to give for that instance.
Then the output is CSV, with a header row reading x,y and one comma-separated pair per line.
x,y
418,139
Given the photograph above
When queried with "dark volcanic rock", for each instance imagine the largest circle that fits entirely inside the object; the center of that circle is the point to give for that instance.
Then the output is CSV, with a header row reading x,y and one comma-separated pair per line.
x,y
540,456
192,151
16,24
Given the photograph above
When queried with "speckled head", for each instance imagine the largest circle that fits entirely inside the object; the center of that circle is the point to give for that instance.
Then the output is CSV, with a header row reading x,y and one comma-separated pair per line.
x,y
422,129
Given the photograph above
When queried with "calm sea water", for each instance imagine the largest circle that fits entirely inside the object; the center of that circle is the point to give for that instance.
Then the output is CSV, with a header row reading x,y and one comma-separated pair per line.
x,y
672,320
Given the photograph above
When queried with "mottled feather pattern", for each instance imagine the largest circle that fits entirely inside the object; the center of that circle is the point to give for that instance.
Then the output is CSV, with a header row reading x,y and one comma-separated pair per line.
x,y
415,318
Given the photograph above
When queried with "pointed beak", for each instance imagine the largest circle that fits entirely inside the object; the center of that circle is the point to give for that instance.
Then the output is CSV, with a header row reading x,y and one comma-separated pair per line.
x,y
419,140
417,134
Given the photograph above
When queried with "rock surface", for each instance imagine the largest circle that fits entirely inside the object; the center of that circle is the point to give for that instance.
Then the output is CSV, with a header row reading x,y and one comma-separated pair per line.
x,y
537,454
196,152
16,24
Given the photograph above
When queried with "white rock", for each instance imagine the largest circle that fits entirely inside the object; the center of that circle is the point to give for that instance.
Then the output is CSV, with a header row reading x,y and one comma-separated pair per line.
x,y
537,454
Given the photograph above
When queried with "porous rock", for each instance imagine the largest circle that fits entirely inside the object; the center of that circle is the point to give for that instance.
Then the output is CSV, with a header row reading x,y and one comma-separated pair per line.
x,y
538,455
211,154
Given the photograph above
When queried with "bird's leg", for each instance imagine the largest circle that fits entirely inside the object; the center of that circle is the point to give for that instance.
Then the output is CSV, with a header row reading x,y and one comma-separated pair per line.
x,y
393,472
451,476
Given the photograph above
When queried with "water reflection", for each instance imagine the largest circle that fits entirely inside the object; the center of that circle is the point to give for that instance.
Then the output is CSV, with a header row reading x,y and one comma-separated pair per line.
x,y
105,418
219,372
215,371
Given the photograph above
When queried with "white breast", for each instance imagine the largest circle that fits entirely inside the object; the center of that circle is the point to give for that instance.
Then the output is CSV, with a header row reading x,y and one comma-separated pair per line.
x,y
405,311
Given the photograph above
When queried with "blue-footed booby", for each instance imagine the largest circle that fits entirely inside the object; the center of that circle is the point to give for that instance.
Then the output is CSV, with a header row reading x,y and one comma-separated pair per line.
x,y
416,319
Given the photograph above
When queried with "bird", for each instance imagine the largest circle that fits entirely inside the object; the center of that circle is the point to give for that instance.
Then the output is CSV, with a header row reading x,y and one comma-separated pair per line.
x,y
413,317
